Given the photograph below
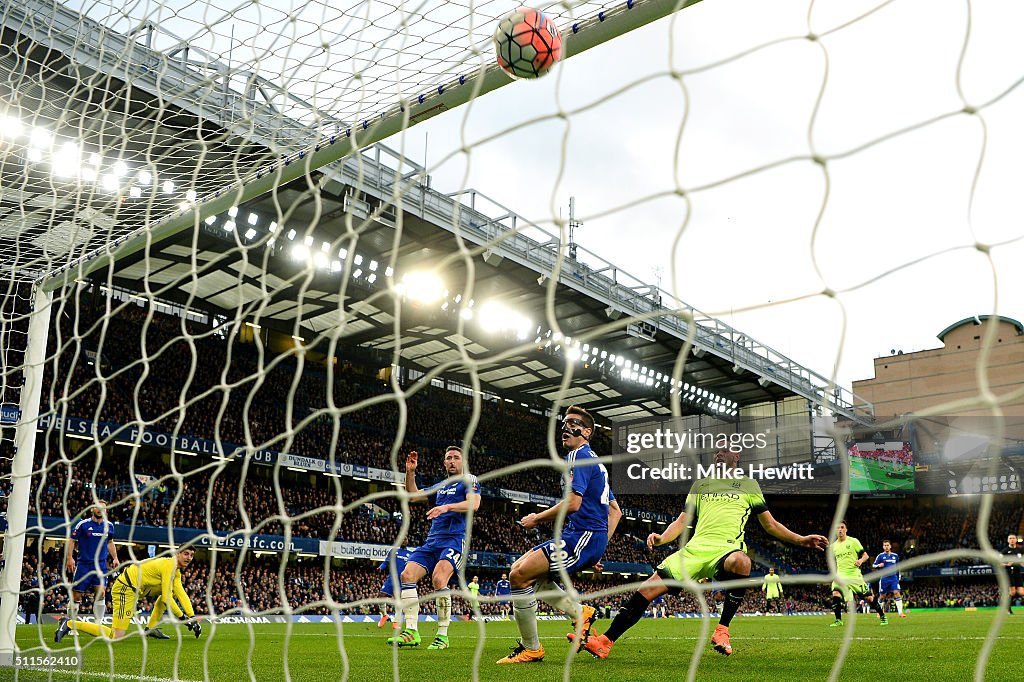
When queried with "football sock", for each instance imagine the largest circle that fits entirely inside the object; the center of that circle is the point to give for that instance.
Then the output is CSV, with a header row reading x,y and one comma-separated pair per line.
x,y
560,600
158,611
630,614
99,609
444,611
524,605
899,605
837,607
411,606
94,629
877,608
733,597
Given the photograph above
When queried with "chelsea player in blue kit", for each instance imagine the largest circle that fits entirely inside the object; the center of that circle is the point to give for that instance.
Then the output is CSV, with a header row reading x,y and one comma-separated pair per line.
x,y
94,539
441,554
890,584
401,558
591,517
503,588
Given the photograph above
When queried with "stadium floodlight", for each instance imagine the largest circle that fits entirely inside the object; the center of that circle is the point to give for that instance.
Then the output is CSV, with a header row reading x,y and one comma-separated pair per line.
x,y
421,286
308,241
325,247
67,159
144,177
119,169
572,354
388,271
168,186
335,266
320,259
89,173
233,211
253,219
291,234
357,274
41,138
272,227
496,315
466,314
250,233
357,259
300,252
135,193
11,127
229,226
373,278
34,154
110,182
211,220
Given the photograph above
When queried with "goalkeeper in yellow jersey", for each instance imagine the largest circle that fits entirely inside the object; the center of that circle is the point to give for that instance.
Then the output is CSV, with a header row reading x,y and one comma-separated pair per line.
x,y
772,588
160,578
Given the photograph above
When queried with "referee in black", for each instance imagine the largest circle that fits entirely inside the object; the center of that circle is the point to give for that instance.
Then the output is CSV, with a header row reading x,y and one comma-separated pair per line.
x,y
1014,553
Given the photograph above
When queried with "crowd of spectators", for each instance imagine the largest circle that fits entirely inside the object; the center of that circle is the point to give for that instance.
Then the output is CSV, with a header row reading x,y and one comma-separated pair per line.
x,y
133,369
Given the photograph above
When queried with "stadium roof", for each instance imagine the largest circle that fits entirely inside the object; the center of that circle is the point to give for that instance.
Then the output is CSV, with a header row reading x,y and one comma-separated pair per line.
x,y
341,219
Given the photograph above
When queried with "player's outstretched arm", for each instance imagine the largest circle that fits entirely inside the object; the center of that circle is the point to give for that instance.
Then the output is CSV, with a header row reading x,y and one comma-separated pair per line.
x,y
777,530
572,504
671,532
472,501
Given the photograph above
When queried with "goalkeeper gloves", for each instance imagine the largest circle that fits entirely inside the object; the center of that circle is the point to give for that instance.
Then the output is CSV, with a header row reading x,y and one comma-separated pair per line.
x,y
193,625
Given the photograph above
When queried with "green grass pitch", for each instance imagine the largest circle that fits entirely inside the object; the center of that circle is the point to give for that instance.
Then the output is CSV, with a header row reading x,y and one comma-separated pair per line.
x,y
930,646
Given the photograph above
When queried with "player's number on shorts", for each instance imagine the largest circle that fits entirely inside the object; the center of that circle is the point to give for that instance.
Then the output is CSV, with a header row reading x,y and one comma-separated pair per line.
x,y
558,554
453,556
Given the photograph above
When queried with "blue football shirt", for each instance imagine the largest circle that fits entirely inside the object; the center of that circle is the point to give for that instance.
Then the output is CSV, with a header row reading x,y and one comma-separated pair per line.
x,y
92,538
451,524
589,478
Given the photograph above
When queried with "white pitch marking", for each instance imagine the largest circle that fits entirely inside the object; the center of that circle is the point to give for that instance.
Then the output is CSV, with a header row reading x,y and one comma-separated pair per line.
x,y
106,676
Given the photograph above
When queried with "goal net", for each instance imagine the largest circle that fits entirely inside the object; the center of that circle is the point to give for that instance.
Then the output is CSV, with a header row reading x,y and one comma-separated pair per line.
x,y
259,254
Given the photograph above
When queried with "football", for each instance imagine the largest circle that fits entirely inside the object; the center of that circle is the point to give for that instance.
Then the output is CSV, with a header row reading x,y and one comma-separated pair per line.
x,y
527,43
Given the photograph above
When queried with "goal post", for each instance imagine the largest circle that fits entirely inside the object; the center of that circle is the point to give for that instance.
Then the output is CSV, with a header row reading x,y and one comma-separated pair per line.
x,y
21,469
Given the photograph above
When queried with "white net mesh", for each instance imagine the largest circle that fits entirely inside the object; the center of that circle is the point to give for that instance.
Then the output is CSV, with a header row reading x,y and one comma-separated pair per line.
x,y
258,313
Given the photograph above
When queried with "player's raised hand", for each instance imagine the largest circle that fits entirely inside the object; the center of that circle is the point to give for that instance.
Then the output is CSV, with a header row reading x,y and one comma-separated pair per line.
x,y
411,460
818,542
437,511
653,540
